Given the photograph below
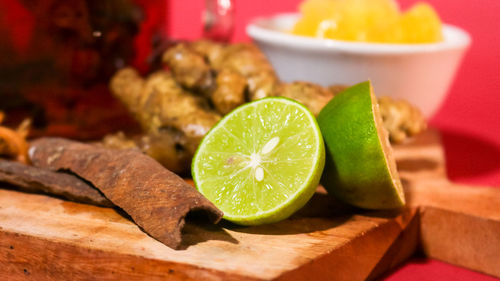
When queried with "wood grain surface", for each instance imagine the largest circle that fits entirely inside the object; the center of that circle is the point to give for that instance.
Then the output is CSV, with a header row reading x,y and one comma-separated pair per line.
x,y
458,224
44,238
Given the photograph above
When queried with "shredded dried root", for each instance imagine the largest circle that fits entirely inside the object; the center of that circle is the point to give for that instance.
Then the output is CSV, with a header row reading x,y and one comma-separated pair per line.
x,y
13,143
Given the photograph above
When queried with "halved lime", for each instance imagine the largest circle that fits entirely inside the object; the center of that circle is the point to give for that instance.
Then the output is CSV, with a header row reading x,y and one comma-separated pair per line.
x,y
360,168
261,162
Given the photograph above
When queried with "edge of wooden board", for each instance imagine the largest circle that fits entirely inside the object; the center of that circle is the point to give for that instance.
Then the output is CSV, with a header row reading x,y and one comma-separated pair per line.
x,y
25,257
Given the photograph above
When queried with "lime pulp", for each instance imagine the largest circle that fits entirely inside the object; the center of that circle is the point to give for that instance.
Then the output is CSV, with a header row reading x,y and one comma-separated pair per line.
x,y
261,162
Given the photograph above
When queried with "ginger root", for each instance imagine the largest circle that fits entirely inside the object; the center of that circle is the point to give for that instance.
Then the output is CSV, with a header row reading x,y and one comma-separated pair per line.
x,y
230,91
401,119
337,88
165,146
173,120
311,95
189,68
226,74
160,102
252,64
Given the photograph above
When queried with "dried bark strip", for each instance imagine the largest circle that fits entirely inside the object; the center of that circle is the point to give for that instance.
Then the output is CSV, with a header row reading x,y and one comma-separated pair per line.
x,y
156,199
34,179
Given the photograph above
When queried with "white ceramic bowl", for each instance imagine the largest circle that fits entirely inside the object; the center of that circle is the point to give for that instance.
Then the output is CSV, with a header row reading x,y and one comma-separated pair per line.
x,y
420,73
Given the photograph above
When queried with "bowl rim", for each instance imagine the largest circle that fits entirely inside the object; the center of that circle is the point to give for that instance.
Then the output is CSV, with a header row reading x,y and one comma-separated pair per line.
x,y
263,29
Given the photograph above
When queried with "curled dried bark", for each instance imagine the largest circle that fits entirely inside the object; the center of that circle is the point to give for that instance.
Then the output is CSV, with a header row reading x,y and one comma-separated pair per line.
x,y
155,198
33,179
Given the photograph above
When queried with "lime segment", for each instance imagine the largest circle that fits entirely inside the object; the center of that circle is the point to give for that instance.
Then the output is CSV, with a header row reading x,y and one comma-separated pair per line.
x,y
261,162
360,168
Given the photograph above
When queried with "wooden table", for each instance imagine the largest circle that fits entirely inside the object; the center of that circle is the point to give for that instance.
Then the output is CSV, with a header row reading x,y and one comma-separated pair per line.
x,y
44,238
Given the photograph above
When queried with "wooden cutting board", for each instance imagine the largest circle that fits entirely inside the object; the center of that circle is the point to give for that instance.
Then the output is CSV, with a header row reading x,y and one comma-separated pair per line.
x,y
44,238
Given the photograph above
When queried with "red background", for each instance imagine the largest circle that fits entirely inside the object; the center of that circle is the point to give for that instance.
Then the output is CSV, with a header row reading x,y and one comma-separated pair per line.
x,y
469,118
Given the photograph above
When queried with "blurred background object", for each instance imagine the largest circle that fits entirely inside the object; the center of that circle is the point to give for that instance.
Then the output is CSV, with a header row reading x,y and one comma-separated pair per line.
x,y
57,57
218,20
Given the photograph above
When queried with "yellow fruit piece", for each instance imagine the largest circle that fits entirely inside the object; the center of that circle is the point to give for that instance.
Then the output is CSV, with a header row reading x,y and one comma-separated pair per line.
x,y
368,21
421,24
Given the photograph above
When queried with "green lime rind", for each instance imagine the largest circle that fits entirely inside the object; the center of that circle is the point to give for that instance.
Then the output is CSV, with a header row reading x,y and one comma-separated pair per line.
x,y
292,170
358,170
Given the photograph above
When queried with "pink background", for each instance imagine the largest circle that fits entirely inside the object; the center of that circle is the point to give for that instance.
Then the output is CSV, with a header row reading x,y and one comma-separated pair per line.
x,y
469,118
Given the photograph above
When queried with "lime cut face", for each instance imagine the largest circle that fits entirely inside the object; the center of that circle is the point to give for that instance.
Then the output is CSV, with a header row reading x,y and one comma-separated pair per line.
x,y
261,162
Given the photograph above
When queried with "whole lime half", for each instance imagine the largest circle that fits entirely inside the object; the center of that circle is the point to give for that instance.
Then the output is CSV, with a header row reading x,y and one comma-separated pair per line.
x,y
360,168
